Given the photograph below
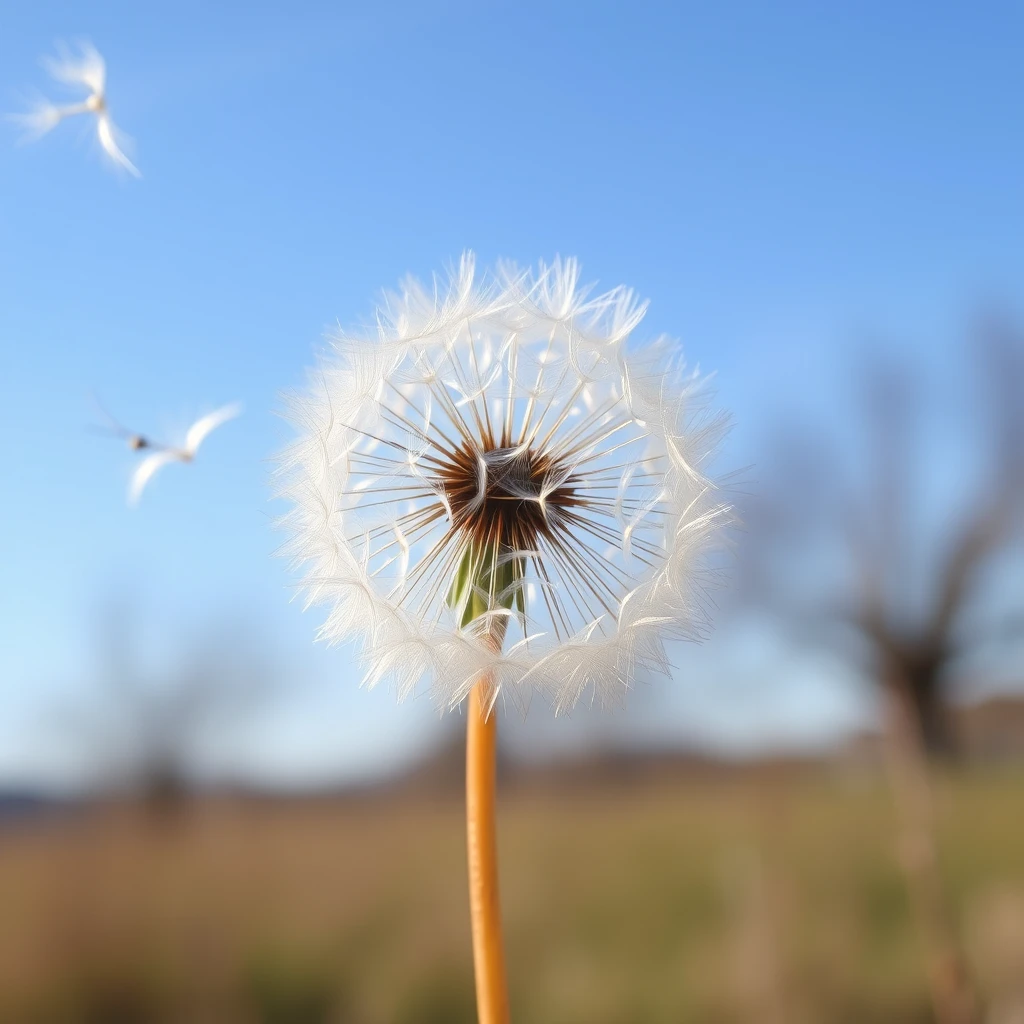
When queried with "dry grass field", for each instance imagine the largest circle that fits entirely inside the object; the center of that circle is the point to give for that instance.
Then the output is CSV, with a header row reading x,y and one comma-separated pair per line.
x,y
740,896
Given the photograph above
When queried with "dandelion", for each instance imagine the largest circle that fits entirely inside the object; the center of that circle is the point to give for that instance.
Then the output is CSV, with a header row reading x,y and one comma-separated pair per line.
x,y
496,491
87,70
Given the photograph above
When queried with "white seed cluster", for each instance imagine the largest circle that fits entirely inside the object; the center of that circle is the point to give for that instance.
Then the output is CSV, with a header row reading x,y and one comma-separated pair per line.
x,y
506,432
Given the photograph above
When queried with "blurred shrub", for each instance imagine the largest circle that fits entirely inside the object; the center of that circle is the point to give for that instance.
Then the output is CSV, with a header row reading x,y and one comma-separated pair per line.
x,y
444,995
287,990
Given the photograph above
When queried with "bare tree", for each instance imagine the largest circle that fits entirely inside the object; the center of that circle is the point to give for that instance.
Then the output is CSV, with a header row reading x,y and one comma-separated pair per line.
x,y
852,568
861,564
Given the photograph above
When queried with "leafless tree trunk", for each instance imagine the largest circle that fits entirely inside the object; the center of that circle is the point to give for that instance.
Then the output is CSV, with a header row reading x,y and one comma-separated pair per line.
x,y
952,992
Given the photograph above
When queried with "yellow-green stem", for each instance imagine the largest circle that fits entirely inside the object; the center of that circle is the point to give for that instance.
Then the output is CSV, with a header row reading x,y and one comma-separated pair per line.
x,y
480,586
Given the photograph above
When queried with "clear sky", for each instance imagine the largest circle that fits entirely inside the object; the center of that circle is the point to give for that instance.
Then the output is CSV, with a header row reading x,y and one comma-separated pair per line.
x,y
774,177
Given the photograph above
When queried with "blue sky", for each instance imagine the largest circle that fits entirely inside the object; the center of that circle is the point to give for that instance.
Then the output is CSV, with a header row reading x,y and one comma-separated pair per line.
x,y
776,178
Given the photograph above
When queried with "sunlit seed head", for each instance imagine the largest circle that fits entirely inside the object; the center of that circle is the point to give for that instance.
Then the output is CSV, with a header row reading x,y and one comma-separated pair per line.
x,y
498,460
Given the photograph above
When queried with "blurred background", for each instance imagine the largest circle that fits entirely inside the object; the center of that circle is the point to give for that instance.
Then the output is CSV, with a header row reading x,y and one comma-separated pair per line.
x,y
203,818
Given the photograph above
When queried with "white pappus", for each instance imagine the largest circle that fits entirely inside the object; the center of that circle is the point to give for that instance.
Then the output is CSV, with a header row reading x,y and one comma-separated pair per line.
x,y
85,70
161,454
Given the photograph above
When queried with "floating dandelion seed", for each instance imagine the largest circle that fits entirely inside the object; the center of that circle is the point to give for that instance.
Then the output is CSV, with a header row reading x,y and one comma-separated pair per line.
x,y
164,454
495,492
89,71
495,482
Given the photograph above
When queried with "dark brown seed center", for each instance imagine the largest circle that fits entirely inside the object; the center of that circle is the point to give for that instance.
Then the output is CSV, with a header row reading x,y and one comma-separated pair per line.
x,y
508,496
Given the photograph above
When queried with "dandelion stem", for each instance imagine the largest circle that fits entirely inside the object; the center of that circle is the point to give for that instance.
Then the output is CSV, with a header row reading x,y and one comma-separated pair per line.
x,y
475,590
482,846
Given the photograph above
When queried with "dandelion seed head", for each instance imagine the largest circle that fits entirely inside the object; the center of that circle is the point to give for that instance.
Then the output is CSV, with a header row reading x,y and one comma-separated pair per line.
x,y
495,478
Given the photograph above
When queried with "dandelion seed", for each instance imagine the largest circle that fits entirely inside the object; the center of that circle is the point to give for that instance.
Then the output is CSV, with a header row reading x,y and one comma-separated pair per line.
x,y
161,454
87,70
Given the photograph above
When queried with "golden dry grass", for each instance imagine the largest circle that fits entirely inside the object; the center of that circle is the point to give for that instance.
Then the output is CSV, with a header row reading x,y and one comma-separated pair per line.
x,y
739,898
